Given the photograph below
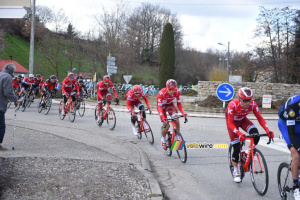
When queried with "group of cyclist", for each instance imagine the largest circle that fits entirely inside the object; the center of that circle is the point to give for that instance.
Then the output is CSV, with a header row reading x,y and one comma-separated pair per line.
x,y
33,84
236,112
236,117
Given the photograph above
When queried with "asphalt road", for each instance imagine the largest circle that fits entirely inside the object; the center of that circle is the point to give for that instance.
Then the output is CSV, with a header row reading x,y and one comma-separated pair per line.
x,y
205,175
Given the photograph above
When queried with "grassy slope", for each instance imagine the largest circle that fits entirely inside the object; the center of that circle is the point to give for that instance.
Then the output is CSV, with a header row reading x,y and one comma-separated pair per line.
x,y
19,48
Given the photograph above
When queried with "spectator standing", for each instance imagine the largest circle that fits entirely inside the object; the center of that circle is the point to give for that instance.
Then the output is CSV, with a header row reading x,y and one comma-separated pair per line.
x,y
6,93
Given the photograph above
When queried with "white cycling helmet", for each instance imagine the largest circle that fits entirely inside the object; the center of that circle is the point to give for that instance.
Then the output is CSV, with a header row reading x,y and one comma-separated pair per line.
x,y
30,76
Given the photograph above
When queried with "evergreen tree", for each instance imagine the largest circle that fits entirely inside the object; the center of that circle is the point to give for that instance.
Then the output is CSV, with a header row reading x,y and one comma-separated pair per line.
x,y
71,33
166,60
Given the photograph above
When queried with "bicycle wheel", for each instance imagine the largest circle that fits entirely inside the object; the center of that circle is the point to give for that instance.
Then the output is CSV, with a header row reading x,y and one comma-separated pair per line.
x,y
182,154
111,119
285,181
259,173
148,132
59,111
239,164
31,97
40,107
72,112
25,104
81,109
48,104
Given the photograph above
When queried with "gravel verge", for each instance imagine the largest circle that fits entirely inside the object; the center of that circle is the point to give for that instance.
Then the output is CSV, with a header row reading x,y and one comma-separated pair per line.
x,y
52,178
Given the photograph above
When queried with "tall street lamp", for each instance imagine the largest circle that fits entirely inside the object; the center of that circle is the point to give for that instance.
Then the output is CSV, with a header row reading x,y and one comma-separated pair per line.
x,y
228,55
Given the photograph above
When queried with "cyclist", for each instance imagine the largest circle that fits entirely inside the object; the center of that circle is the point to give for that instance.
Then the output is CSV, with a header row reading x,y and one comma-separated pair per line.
x,y
68,85
102,90
36,85
133,99
16,83
289,126
79,77
49,85
236,117
165,104
82,89
26,85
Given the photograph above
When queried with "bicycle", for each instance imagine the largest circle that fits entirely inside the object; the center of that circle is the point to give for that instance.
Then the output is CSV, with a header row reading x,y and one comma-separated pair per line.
x,y
285,181
108,114
31,97
70,109
182,154
23,100
47,103
258,167
140,127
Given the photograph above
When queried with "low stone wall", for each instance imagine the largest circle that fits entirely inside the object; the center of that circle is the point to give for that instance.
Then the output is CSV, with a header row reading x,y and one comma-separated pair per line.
x,y
277,90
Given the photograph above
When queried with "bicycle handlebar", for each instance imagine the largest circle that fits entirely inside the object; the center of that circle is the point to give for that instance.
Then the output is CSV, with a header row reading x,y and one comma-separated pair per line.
x,y
173,119
141,111
259,135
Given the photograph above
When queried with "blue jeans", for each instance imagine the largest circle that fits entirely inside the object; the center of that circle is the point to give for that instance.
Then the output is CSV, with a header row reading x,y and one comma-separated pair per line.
x,y
2,126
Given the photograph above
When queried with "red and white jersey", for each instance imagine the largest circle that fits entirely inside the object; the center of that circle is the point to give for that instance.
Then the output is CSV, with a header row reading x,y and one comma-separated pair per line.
x,y
133,97
163,97
102,88
67,85
235,112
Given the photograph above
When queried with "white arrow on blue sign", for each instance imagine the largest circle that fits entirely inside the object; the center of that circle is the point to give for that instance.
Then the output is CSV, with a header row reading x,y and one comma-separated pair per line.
x,y
225,92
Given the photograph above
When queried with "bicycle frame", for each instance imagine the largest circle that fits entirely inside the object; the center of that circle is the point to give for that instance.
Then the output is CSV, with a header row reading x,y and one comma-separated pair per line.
x,y
106,110
141,120
173,129
69,105
251,153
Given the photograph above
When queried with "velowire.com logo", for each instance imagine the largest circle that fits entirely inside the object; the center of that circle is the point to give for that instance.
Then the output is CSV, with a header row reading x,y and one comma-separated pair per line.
x,y
206,146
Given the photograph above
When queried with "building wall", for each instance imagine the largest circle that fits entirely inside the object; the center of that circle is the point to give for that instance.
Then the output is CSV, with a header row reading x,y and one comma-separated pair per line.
x,y
277,90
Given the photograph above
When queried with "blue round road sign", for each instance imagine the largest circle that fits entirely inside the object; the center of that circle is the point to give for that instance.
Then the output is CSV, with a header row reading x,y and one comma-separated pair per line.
x,y
225,92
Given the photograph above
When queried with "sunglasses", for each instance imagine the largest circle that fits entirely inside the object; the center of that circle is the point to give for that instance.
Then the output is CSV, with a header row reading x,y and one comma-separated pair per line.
x,y
106,81
171,90
137,93
246,100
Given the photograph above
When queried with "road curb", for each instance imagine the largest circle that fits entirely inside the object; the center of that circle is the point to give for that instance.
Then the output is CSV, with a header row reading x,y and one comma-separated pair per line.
x,y
156,192
190,114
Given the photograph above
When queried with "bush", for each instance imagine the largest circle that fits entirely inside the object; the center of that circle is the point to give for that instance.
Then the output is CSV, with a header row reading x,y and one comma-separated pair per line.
x,y
218,74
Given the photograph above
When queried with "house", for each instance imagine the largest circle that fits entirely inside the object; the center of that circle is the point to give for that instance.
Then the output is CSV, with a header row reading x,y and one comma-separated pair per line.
x,y
19,68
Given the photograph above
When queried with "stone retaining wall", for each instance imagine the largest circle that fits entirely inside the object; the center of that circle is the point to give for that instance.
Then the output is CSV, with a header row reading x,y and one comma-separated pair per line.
x,y
277,90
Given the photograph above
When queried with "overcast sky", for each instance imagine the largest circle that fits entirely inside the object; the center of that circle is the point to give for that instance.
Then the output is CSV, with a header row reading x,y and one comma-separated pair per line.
x,y
205,23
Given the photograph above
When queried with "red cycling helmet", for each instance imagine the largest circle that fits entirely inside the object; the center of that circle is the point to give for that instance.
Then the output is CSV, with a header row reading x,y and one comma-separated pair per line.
x,y
42,77
70,75
137,89
245,93
171,84
106,78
